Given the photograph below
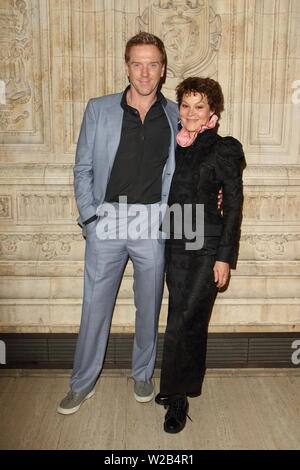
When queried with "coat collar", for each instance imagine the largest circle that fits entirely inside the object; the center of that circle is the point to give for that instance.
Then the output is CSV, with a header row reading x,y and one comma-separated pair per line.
x,y
205,139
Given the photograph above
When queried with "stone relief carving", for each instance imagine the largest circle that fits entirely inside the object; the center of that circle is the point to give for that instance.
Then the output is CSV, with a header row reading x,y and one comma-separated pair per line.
x,y
64,245
41,207
190,30
272,206
51,246
15,51
54,207
39,246
5,207
8,245
269,246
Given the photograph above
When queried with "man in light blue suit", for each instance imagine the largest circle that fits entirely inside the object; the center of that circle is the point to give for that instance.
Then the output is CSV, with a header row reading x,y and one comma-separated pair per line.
x,y
126,148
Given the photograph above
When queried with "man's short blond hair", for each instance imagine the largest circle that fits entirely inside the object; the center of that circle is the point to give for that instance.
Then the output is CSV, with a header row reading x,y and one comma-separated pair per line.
x,y
145,38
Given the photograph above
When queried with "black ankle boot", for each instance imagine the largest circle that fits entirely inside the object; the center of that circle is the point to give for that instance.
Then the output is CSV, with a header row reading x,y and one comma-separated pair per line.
x,y
175,418
161,399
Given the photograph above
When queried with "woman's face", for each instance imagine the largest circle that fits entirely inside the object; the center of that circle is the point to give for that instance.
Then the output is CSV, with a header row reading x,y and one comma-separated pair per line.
x,y
194,111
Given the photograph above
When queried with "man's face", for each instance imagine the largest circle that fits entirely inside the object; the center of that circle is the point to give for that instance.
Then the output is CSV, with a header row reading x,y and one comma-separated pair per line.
x,y
144,68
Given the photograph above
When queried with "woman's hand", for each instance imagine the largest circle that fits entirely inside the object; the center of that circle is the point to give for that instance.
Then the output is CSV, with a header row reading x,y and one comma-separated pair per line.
x,y
221,272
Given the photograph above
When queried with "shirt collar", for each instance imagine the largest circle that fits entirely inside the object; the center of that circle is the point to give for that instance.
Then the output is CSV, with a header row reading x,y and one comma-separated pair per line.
x,y
160,99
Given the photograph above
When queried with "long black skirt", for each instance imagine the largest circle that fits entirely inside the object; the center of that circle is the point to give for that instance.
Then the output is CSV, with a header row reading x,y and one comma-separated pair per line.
x,y
192,292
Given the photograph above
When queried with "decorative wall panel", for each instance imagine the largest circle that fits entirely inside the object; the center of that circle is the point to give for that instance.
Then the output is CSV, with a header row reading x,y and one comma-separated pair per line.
x,y
25,117
54,56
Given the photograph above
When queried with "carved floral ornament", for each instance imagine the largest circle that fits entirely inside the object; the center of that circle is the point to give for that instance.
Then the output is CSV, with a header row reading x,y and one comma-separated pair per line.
x,y
42,246
190,30
269,246
50,246
5,207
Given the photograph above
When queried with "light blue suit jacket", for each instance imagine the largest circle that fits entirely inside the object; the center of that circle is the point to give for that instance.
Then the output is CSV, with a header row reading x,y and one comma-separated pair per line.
x,y
97,147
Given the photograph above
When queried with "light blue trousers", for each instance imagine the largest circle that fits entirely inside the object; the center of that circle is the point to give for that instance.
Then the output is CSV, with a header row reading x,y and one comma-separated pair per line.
x,y
105,261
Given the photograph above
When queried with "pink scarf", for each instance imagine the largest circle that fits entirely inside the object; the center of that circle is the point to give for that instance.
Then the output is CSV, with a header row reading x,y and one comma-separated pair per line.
x,y
183,137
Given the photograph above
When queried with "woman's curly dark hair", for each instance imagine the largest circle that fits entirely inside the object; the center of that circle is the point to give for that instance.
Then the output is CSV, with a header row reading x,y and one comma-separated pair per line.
x,y
204,86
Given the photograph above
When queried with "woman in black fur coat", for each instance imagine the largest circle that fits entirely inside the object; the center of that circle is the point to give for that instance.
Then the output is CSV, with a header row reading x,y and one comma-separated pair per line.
x,y
205,162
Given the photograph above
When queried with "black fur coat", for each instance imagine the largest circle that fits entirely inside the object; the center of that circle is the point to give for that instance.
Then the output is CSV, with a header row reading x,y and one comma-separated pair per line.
x,y
210,163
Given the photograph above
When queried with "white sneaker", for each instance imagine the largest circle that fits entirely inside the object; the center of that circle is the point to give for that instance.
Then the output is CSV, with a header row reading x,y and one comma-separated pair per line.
x,y
143,391
72,402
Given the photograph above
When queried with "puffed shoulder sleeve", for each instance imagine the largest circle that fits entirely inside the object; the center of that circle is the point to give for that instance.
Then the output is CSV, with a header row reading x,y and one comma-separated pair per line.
x,y
230,162
230,158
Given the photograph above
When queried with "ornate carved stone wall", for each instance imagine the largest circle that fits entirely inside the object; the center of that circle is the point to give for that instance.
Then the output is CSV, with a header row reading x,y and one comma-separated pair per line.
x,y
54,56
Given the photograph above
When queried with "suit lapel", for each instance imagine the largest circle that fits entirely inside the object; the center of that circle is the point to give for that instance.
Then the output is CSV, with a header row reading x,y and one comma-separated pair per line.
x,y
114,119
173,120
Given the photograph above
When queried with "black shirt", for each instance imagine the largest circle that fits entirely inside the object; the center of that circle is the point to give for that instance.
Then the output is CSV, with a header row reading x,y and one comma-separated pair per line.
x,y
181,188
141,155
